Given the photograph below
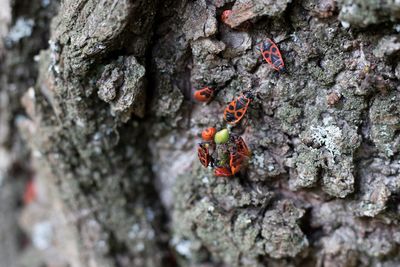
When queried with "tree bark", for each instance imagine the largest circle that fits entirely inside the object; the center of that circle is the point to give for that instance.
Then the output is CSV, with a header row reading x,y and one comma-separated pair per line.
x,y
97,108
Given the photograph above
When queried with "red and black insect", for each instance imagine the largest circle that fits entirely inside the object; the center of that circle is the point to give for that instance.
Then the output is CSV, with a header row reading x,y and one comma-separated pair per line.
x,y
236,161
208,134
272,55
204,155
222,172
238,155
241,146
236,109
204,94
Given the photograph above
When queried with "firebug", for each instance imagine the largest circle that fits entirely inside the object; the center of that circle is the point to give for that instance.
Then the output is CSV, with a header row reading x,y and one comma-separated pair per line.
x,y
204,94
241,146
204,155
272,55
222,172
208,134
236,109
236,161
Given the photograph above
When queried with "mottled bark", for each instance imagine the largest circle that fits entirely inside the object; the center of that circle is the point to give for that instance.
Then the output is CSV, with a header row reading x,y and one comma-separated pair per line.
x,y
110,127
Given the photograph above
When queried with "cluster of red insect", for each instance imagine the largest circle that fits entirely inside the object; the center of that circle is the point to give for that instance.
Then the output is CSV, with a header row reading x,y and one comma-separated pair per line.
x,y
230,156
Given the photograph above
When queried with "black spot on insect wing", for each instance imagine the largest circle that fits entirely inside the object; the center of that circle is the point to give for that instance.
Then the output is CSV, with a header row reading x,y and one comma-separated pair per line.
x,y
230,117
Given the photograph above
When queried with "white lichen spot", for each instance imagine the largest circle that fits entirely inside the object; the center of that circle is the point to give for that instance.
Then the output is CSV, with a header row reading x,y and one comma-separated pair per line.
x,y
295,38
101,47
172,139
42,234
271,167
139,247
345,24
97,136
258,160
329,136
101,245
80,123
54,56
56,69
151,234
31,93
135,229
150,214
330,32
388,150
22,28
183,248
205,180
36,153
211,209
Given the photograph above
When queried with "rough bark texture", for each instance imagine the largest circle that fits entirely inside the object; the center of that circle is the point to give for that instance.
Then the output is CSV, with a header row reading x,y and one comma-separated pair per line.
x,y
96,106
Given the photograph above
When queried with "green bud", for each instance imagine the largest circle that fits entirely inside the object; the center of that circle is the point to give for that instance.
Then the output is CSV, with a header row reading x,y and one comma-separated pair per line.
x,y
222,136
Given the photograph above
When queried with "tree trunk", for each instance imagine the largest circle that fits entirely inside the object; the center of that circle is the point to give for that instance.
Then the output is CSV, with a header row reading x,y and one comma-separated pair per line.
x,y
97,110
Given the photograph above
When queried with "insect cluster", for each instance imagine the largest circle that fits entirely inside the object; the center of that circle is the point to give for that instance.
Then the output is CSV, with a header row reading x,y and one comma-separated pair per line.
x,y
224,152
227,152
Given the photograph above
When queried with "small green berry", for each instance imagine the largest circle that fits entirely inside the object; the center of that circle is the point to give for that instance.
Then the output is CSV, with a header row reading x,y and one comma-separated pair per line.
x,y
222,136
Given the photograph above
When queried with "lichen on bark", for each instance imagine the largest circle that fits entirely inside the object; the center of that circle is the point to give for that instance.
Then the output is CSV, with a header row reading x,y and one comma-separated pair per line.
x,y
112,127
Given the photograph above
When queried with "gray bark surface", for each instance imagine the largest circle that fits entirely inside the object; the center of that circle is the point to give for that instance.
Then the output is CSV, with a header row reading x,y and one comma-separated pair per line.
x,y
96,105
